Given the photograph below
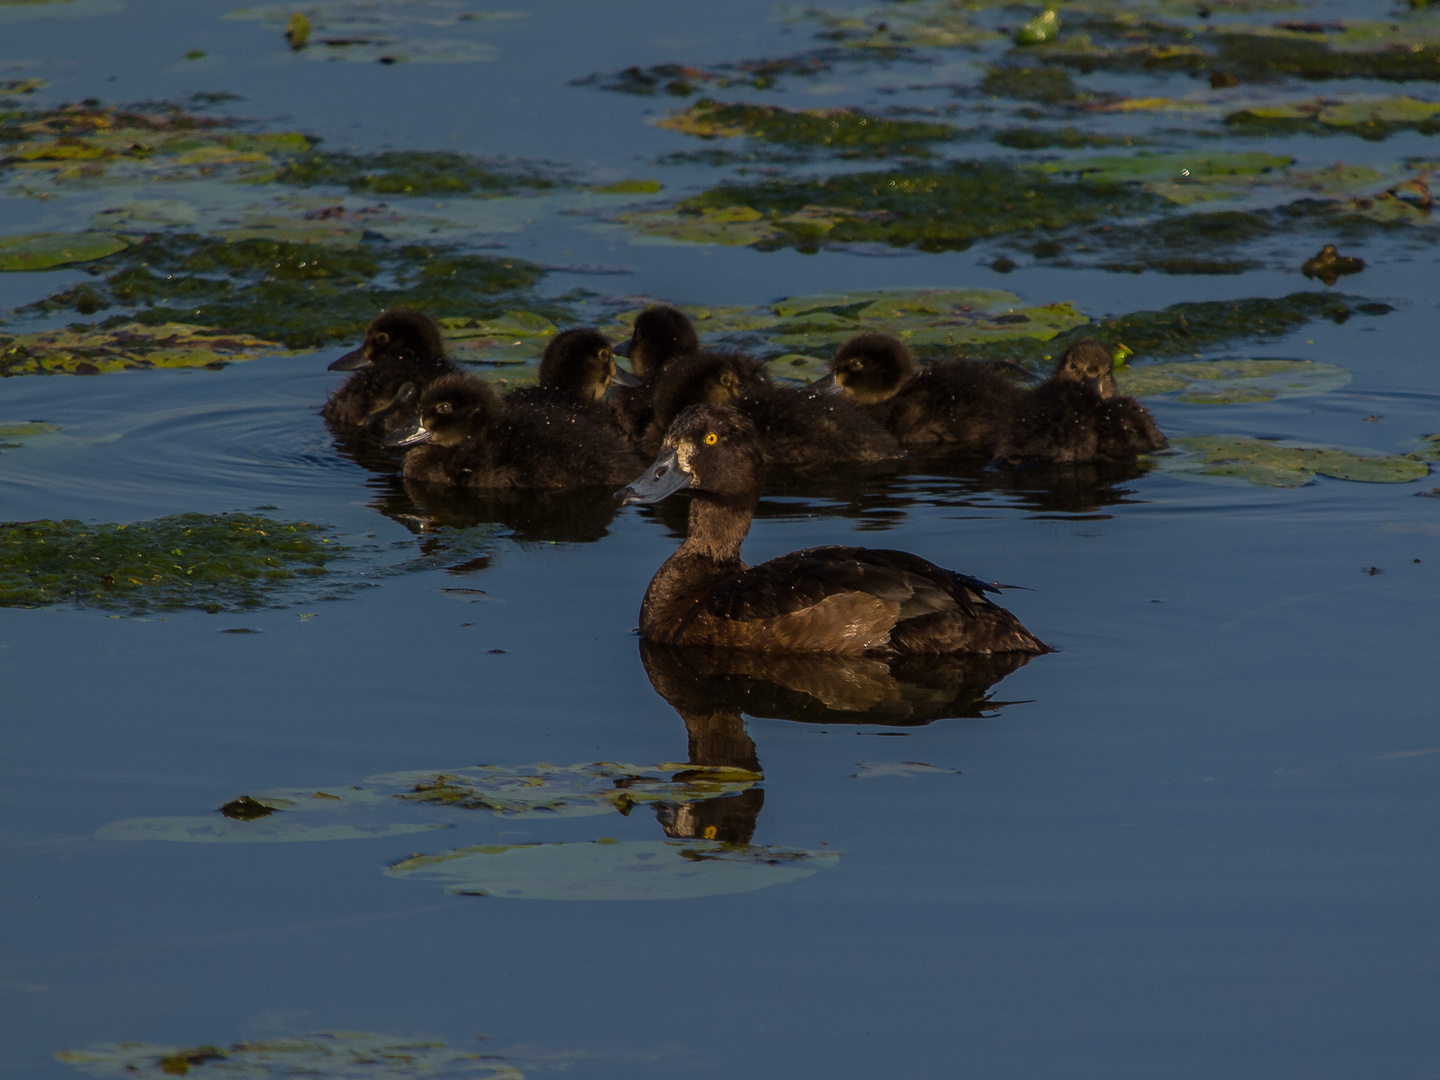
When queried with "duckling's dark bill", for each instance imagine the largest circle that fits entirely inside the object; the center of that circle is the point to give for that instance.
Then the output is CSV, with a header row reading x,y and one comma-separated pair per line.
x,y
408,436
353,360
663,478
626,378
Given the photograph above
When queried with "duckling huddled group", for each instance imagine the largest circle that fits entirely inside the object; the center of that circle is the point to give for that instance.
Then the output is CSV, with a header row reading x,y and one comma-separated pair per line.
x,y
713,421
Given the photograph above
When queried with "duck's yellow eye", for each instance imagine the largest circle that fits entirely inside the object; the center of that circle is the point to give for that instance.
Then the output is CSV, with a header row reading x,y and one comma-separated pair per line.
x,y
711,439
444,407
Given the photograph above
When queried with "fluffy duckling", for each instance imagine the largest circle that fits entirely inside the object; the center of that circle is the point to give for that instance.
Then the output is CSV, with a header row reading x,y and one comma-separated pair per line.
x,y
844,600
960,403
465,435
1078,415
798,425
402,354
576,369
661,334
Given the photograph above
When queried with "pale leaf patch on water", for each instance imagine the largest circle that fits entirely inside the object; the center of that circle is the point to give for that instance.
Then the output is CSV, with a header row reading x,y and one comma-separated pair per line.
x,y
609,869
1282,464
1232,382
868,769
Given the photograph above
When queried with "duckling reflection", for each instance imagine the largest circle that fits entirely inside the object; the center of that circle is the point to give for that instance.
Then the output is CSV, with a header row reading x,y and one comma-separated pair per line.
x,y
402,354
573,516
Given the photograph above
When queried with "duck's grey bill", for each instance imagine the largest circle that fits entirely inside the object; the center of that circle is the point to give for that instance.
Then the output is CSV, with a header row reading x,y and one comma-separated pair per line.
x,y
623,349
827,385
626,378
407,436
353,360
661,479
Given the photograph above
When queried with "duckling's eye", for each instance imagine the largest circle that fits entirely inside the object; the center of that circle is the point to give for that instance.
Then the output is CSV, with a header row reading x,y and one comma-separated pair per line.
x,y
711,439
606,355
444,407
382,338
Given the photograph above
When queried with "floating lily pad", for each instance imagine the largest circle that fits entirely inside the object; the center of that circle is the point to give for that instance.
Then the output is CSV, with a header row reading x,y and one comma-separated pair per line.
x,y
1192,165
1232,382
94,350
629,187
24,431
1368,117
328,1055
1283,464
222,562
567,791
851,131
869,769
612,869
40,251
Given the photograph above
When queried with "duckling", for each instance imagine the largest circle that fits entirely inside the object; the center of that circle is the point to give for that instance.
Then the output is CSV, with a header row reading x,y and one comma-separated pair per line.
x,y
798,426
576,369
1078,415
465,435
843,600
661,334
403,353
960,403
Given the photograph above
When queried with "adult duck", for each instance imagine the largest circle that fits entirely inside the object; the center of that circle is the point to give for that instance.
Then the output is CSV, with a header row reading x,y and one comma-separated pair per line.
x,y
402,354
1078,415
964,404
797,425
466,436
845,600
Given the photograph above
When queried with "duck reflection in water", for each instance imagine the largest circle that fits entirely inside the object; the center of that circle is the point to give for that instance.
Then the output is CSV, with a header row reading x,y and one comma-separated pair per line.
x,y
576,516
714,689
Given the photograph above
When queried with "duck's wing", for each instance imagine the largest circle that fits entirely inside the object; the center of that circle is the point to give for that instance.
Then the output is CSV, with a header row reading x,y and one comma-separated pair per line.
x,y
845,599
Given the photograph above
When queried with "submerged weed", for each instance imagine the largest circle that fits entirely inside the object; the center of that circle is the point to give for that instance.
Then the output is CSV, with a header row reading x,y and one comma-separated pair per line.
x,y
221,562
853,132
412,172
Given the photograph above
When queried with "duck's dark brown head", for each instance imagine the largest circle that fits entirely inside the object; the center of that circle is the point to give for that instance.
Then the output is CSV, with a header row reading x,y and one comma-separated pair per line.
x,y
661,334
400,336
703,379
580,362
711,450
452,409
1089,363
872,367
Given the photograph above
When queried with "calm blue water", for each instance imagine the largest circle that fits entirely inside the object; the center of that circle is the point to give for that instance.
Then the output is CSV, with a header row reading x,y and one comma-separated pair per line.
x,y
1197,841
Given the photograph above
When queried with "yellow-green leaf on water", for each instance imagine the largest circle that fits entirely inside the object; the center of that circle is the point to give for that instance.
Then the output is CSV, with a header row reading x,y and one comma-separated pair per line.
x,y
629,187
736,226
297,31
1273,463
1044,27
1193,164
40,251
613,870
1231,382
22,431
93,350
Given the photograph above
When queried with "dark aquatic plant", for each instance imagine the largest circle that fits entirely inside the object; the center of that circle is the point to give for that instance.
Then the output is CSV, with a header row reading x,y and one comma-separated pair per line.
x,y
413,172
303,295
220,562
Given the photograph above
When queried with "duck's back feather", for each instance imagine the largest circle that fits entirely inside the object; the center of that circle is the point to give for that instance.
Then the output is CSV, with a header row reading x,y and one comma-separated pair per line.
x,y
852,600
